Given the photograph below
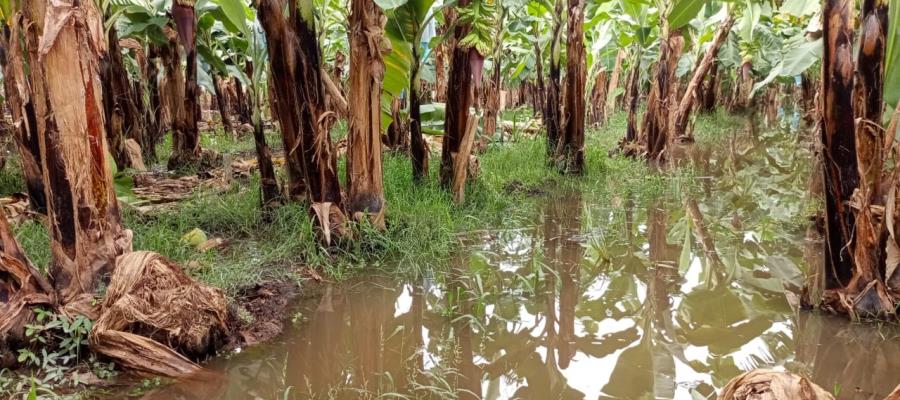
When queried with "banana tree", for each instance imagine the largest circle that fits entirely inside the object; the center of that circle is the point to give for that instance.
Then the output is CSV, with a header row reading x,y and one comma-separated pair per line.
x,y
229,38
121,102
472,40
405,28
18,86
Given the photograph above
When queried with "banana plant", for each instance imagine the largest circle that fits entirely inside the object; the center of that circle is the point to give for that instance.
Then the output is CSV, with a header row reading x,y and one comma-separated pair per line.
x,y
406,25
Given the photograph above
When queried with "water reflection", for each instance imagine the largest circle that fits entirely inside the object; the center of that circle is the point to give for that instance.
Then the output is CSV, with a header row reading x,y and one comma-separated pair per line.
x,y
651,298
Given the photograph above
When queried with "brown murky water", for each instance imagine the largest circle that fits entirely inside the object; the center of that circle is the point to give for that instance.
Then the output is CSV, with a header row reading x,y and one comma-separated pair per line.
x,y
601,297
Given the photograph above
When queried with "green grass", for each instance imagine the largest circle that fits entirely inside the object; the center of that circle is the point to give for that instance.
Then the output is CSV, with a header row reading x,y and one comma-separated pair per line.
x,y
423,225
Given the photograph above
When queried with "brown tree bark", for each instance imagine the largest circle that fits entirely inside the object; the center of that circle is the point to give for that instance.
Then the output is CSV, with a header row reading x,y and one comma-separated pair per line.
x,y
538,87
83,215
633,96
465,63
120,108
222,104
440,61
597,111
552,108
364,170
683,112
396,137
492,91
300,103
154,113
571,145
418,152
840,163
709,90
268,181
610,102
869,237
185,133
654,131
240,99
284,98
18,87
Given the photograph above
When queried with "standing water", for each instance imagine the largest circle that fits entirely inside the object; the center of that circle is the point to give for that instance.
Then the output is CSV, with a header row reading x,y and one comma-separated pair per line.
x,y
659,295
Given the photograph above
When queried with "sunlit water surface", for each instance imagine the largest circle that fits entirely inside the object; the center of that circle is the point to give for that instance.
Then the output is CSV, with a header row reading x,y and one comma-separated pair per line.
x,y
599,297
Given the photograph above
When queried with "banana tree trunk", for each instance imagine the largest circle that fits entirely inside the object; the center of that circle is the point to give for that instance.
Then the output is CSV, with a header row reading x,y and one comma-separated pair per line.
x,y
552,108
492,108
299,101
440,62
17,85
870,236
241,106
838,137
610,101
395,137
364,169
571,147
122,116
222,104
417,151
654,131
465,73
186,134
83,216
538,87
597,111
268,181
709,90
284,98
683,112
632,96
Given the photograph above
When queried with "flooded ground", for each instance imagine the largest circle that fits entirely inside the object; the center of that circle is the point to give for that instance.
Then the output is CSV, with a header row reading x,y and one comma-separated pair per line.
x,y
601,296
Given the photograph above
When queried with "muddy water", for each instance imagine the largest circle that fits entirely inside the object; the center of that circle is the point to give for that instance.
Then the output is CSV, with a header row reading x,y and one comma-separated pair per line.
x,y
603,296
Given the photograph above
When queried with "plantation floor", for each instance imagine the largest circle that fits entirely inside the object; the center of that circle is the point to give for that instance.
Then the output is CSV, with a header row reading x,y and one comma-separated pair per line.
x,y
623,283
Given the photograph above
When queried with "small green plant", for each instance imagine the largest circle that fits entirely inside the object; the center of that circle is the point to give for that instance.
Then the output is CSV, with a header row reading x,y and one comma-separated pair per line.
x,y
60,340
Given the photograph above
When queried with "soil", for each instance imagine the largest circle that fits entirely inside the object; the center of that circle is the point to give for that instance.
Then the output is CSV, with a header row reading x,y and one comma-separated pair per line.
x,y
265,308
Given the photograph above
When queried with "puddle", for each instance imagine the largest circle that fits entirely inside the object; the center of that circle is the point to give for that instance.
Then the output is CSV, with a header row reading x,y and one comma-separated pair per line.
x,y
600,297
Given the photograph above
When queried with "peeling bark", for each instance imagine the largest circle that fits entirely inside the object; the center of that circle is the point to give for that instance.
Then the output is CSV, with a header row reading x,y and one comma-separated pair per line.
x,y
123,117
598,107
683,112
464,63
552,108
222,104
284,98
610,101
654,131
364,170
185,133
709,90
396,137
841,174
633,97
18,88
570,152
418,152
83,216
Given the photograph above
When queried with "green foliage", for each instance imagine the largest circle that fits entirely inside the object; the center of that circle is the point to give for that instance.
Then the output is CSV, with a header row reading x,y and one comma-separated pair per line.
x,y
683,12
892,58
480,15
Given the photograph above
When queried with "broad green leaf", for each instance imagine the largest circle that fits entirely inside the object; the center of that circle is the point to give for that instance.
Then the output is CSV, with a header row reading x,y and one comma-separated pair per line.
x,y
800,58
801,8
892,59
390,4
749,20
683,12
234,12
